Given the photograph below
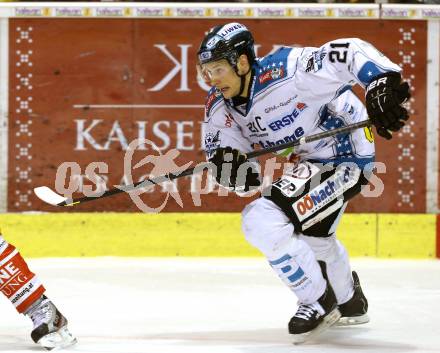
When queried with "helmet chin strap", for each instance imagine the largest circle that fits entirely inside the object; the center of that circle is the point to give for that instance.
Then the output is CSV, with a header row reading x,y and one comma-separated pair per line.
x,y
242,80
242,83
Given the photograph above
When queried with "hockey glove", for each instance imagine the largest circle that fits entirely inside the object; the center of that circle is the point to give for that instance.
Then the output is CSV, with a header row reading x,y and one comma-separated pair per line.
x,y
384,96
234,171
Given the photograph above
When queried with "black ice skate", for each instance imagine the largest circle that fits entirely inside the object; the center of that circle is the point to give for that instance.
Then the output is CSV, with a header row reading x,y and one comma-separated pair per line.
x,y
311,319
50,326
354,312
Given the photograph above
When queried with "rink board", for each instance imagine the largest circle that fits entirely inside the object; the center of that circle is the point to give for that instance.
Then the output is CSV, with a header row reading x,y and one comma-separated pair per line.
x,y
79,82
202,234
81,89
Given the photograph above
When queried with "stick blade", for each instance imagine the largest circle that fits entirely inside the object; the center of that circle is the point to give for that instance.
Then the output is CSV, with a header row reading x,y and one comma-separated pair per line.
x,y
49,196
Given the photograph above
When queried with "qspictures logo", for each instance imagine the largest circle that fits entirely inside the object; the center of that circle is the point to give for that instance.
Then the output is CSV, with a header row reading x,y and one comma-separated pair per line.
x,y
165,169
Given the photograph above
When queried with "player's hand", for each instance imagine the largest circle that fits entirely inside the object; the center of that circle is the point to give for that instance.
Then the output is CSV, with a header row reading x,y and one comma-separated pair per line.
x,y
229,174
384,96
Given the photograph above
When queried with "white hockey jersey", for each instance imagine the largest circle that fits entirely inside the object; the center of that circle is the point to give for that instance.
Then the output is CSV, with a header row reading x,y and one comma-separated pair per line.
x,y
298,92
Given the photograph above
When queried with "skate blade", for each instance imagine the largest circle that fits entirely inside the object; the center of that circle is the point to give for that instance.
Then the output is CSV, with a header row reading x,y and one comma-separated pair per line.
x,y
353,320
57,340
328,321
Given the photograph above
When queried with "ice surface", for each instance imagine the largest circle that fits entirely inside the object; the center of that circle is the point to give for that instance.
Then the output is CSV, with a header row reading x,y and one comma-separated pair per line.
x,y
206,305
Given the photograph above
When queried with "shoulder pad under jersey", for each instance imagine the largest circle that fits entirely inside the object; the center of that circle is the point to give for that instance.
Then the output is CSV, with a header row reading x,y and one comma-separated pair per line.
x,y
213,98
272,68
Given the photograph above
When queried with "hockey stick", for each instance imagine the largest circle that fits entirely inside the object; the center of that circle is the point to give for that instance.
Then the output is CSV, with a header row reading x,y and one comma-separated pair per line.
x,y
49,196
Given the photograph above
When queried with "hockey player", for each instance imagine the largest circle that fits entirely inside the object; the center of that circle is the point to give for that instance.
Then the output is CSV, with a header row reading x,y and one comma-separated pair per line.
x,y
26,293
282,97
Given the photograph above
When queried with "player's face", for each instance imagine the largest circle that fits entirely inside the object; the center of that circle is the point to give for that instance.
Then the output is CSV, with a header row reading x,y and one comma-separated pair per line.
x,y
221,75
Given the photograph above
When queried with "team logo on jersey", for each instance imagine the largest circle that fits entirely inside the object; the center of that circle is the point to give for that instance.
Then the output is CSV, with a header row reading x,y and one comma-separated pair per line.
x,y
289,119
271,73
314,62
212,142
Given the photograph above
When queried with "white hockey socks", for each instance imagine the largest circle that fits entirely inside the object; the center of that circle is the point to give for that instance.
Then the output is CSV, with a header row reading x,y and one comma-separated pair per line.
x,y
332,252
296,265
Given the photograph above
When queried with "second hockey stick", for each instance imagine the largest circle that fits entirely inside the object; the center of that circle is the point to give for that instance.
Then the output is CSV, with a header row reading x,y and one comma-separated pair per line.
x,y
49,196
